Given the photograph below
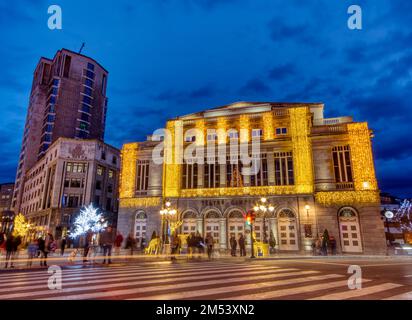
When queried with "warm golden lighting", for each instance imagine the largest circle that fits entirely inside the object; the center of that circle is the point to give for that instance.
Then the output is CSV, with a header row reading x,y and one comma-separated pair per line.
x,y
302,149
347,197
128,170
268,127
307,207
139,202
173,150
362,159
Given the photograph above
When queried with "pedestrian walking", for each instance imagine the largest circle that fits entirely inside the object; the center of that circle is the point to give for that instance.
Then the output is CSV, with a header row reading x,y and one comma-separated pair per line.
x,y
63,246
42,251
209,245
191,244
175,245
118,243
16,245
233,245
32,251
130,243
88,243
106,241
2,243
242,245
199,243
332,243
325,242
9,251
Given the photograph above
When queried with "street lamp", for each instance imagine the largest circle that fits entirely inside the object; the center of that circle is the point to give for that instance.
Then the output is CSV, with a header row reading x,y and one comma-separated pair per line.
x,y
264,207
166,213
307,208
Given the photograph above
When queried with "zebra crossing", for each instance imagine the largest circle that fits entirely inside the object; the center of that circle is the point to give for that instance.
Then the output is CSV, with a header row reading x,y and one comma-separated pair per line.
x,y
204,280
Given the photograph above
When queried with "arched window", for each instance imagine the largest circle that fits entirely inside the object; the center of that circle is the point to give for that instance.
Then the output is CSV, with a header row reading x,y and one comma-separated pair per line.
x,y
140,226
286,213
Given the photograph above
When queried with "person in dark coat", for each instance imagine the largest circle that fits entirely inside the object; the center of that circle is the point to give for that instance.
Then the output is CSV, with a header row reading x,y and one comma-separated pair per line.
x,y
332,243
190,244
9,251
199,243
43,251
233,245
87,245
63,246
242,245
209,245
106,241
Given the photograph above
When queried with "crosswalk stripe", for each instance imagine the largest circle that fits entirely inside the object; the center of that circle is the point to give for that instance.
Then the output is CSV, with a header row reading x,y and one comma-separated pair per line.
x,y
183,275
220,290
102,270
292,291
358,292
403,296
189,285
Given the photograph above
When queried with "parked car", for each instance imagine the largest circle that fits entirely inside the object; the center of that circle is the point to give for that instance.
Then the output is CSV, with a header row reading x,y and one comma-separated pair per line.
x,y
402,249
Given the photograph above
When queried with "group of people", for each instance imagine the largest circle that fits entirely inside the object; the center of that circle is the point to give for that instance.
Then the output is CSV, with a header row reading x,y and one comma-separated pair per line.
x,y
41,247
233,245
324,244
196,243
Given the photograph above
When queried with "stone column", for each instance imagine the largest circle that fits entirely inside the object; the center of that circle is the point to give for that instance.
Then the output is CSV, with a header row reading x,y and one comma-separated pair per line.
x,y
200,175
222,175
155,179
223,233
199,225
271,168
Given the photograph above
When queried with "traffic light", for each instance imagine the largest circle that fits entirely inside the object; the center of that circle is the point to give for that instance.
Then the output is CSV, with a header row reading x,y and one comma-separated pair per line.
x,y
250,217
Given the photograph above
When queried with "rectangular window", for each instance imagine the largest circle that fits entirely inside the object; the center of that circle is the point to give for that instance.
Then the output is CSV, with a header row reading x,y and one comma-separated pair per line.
x,y
85,117
104,84
233,135
89,74
142,175
90,66
88,91
211,175
85,108
281,131
189,177
111,173
256,132
66,69
87,100
100,170
342,166
88,82
234,176
284,168
98,185
260,176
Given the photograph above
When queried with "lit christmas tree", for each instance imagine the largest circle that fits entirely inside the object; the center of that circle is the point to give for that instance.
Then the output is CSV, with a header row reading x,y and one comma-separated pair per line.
x,y
21,227
403,216
236,180
89,219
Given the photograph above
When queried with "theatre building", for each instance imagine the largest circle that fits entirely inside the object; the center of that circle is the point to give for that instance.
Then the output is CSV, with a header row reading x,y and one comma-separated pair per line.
x,y
316,173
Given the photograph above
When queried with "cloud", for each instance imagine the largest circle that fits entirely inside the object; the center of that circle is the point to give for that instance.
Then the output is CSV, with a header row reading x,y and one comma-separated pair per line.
x,y
254,86
282,71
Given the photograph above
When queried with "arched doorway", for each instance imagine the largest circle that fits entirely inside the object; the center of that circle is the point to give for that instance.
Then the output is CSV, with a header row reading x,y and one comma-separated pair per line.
x,y
287,230
212,226
236,224
349,230
189,223
140,225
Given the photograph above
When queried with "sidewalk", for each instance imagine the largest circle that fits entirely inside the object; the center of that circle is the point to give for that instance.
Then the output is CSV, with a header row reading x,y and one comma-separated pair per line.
x,y
125,258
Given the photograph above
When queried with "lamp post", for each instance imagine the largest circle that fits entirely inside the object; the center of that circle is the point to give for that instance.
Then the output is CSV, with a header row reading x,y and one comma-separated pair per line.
x,y
263,206
307,208
166,213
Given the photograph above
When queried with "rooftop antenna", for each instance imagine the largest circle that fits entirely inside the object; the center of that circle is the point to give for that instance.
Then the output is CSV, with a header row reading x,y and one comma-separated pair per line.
x,y
81,48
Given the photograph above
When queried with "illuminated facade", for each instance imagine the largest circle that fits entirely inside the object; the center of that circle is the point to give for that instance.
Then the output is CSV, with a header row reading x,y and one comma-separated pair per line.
x,y
318,174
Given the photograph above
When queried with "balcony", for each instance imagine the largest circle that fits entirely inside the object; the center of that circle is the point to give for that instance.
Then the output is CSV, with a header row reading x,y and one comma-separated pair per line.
x,y
330,129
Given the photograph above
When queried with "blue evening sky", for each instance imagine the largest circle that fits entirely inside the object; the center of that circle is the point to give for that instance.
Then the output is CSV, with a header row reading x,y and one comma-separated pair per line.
x,y
172,57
